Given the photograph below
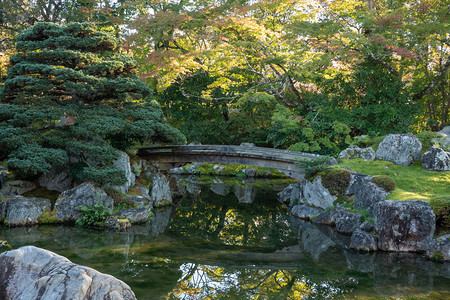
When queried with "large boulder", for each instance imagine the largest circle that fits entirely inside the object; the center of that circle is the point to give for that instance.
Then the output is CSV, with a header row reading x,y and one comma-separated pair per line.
x,y
19,211
444,131
308,193
367,194
123,163
56,179
363,241
436,159
404,225
439,248
17,187
367,154
401,149
160,194
33,273
66,207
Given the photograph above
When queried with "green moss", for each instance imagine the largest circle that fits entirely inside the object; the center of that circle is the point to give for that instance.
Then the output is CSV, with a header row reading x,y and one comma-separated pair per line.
x,y
41,192
385,182
335,180
48,217
437,255
235,170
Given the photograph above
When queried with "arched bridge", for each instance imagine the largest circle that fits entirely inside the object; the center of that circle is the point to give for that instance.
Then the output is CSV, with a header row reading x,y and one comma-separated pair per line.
x,y
173,156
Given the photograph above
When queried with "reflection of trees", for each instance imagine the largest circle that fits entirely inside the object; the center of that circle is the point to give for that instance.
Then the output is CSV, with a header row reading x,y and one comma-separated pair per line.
x,y
223,220
212,282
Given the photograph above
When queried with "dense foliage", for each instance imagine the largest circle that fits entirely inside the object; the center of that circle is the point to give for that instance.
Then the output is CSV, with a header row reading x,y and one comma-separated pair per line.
x,y
72,97
333,69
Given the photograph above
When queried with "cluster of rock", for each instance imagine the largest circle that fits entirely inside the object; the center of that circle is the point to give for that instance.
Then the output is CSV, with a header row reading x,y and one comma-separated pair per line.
x,y
16,210
404,149
399,225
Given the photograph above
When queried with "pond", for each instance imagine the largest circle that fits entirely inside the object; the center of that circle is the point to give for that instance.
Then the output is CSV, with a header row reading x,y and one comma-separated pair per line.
x,y
231,238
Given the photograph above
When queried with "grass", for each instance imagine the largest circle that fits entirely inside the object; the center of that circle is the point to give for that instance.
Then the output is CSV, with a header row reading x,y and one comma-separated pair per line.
x,y
412,182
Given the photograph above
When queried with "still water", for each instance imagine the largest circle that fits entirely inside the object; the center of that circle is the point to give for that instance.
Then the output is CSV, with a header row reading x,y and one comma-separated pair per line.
x,y
230,238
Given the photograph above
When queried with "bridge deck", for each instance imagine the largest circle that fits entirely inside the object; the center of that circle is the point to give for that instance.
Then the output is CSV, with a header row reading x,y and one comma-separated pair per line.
x,y
171,156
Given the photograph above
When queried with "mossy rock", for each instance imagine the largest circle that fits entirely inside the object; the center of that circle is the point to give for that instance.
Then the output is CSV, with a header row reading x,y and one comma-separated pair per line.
x,y
441,208
335,180
385,182
48,217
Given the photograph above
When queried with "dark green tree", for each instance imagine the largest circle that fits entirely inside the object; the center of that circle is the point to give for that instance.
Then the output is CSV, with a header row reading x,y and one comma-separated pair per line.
x,y
70,95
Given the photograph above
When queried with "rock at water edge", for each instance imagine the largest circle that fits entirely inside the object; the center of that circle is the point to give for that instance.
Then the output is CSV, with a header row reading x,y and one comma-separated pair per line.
x,y
34,273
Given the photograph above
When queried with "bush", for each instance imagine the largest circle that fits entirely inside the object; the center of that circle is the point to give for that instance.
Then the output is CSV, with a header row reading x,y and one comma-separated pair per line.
x,y
313,166
335,180
92,216
384,182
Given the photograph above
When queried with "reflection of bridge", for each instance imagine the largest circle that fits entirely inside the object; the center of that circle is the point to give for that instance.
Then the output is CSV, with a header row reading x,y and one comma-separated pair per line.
x,y
173,156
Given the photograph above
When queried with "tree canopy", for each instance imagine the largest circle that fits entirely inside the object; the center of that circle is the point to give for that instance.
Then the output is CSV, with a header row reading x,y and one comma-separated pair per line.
x,y
72,97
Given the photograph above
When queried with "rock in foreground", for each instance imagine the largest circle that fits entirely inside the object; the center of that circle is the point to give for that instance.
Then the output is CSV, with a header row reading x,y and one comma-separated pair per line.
x,y
19,211
33,273
405,225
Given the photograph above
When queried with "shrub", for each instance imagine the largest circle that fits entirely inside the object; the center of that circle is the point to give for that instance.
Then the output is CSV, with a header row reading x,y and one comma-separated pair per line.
x,y
384,182
91,216
335,180
313,166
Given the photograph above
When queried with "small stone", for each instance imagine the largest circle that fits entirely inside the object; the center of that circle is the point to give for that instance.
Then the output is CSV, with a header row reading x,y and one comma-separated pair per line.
x,y
120,224
135,215
17,187
436,159
367,154
439,248
329,217
249,172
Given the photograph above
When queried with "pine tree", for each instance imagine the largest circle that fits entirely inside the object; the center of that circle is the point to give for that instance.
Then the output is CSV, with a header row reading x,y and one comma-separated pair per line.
x,y
71,93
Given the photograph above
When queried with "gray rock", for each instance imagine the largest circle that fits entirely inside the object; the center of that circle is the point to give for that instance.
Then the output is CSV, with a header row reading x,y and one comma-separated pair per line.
x,y
66,207
135,215
404,225
367,154
139,201
218,169
56,179
123,163
19,211
219,188
192,169
161,195
249,172
144,191
309,193
368,227
348,222
245,194
436,159
329,217
439,248
17,187
445,130
401,149
33,273
3,178
362,240
304,212
367,194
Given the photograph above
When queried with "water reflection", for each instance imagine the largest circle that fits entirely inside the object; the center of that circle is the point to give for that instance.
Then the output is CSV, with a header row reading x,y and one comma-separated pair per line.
x,y
212,245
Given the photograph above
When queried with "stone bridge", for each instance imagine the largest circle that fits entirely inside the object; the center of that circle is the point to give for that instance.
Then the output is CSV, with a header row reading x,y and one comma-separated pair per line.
x,y
174,156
